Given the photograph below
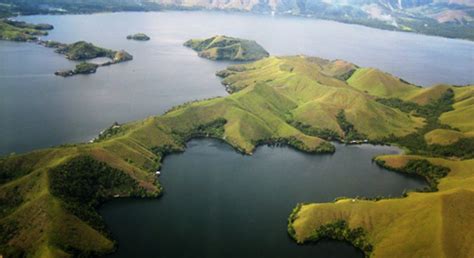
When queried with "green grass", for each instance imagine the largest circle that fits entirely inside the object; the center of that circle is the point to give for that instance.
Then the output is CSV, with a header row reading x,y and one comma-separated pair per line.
x,y
435,224
317,94
443,137
227,48
269,97
381,84
462,116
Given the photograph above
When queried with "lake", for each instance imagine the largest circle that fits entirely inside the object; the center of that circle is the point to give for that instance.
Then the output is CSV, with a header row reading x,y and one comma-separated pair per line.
x,y
219,203
39,109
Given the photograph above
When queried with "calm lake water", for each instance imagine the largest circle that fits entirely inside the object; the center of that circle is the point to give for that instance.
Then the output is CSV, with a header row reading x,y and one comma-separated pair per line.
x,y
38,109
218,203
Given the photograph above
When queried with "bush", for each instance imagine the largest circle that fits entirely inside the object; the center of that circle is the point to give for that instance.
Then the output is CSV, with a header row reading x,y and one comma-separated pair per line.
x,y
415,142
339,230
432,173
83,183
350,133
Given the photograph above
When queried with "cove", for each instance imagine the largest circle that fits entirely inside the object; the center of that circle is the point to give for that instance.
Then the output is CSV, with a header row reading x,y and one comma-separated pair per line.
x,y
219,203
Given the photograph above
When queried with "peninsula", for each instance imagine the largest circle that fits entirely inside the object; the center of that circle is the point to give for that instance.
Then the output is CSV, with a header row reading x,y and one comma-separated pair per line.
x,y
49,197
21,31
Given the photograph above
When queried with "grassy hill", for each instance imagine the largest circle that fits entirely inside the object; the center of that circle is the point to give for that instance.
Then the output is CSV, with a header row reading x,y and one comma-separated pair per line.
x,y
319,93
227,48
461,116
435,224
49,197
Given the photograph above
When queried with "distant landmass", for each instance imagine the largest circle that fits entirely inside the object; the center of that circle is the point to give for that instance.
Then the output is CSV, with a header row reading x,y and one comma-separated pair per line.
x,y
447,18
227,48
139,37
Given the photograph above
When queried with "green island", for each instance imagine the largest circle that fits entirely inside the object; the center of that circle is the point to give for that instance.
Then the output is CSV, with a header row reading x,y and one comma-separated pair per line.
x,y
227,48
81,68
50,196
79,51
139,37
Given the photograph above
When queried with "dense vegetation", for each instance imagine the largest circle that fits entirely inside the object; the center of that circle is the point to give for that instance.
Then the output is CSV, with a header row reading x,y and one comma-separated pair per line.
x,y
292,218
323,133
84,183
85,68
213,129
227,48
339,230
350,133
82,50
416,143
432,173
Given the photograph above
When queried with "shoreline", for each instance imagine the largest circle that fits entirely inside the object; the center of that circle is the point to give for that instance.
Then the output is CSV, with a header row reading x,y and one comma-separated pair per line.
x,y
241,12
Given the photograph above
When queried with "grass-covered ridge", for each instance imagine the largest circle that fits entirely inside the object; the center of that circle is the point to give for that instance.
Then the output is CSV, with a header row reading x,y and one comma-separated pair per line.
x,y
317,89
48,197
227,48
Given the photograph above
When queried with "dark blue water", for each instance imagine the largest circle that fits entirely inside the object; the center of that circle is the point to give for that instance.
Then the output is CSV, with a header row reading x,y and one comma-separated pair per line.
x,y
38,109
218,203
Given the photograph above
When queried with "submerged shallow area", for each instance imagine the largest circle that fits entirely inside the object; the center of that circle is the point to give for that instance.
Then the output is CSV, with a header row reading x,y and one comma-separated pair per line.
x,y
219,203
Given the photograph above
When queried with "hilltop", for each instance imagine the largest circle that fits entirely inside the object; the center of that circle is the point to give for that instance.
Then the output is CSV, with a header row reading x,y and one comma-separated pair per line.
x,y
227,48
49,197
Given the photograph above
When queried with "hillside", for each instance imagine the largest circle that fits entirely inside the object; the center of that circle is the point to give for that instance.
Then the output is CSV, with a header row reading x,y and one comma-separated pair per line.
x,y
454,19
49,197
317,88
433,222
227,48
